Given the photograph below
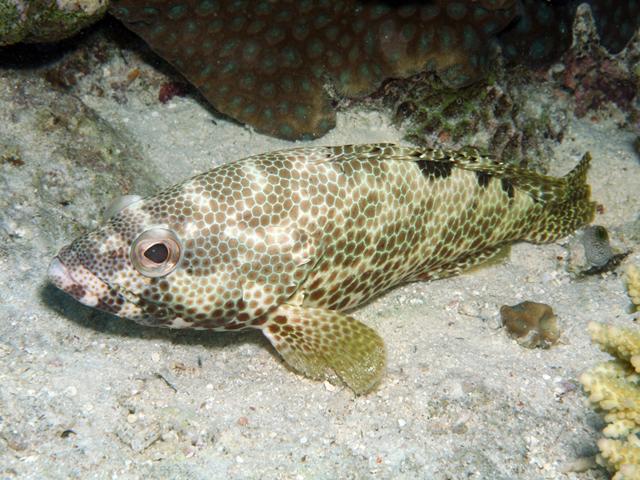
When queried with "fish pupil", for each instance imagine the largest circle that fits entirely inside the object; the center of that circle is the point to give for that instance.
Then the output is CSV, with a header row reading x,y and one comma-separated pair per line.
x,y
157,253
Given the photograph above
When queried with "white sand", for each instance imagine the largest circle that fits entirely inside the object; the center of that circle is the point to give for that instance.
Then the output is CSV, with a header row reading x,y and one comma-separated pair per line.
x,y
87,395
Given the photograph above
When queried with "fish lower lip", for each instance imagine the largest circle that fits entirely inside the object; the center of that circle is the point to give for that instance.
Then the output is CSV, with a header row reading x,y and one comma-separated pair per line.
x,y
68,274
59,275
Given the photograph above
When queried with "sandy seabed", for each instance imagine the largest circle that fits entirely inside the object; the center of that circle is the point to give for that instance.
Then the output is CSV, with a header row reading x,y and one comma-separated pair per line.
x,y
87,395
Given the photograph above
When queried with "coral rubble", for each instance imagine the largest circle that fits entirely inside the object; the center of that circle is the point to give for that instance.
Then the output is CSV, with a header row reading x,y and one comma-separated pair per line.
x,y
596,80
531,324
614,387
545,30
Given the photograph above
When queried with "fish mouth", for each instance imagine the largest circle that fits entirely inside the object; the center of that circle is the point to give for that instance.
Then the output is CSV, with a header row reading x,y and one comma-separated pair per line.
x,y
61,277
69,275
67,272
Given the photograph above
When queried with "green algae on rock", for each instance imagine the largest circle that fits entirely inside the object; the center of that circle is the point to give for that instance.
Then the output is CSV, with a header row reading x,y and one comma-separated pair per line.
x,y
531,324
46,21
267,64
496,114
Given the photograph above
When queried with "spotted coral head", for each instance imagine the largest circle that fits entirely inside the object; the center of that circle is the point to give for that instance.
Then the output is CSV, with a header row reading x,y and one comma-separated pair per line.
x,y
278,65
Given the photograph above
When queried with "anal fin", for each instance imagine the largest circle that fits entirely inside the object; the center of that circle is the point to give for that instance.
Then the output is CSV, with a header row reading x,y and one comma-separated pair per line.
x,y
490,258
318,342
469,263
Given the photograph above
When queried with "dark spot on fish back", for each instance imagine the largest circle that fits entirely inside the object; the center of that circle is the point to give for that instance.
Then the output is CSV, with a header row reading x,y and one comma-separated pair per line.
x,y
435,170
483,179
507,187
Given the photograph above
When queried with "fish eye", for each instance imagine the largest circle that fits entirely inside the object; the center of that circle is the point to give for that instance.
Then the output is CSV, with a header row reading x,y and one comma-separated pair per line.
x,y
156,252
601,234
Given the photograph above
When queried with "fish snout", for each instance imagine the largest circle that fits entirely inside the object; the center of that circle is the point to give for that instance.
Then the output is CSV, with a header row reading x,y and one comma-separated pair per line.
x,y
59,275
75,284
68,274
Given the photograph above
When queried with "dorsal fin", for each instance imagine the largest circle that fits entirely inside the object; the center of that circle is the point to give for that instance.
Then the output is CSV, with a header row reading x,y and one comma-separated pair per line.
x,y
541,188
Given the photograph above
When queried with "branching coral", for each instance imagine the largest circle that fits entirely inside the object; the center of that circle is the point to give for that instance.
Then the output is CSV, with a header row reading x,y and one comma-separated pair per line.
x,y
631,281
597,81
614,387
621,456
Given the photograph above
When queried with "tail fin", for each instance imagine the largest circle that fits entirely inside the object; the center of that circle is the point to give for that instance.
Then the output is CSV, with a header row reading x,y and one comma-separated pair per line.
x,y
570,211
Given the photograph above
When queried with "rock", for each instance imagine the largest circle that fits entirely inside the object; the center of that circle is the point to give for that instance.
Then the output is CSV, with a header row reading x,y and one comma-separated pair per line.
x,y
46,21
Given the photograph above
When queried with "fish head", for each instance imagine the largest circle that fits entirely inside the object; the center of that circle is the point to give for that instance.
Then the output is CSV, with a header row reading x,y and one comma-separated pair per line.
x,y
187,258
127,266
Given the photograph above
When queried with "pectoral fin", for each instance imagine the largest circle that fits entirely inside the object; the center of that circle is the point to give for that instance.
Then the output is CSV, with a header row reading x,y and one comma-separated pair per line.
x,y
318,342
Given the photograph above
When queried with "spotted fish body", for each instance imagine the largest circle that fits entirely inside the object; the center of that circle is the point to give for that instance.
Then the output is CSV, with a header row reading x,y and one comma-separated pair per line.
x,y
287,241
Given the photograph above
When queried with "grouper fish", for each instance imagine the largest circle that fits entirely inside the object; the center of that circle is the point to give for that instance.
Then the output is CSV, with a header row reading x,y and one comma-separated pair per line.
x,y
288,242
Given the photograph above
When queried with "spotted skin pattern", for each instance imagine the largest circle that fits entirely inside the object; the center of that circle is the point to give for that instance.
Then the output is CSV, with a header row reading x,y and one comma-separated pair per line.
x,y
287,241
